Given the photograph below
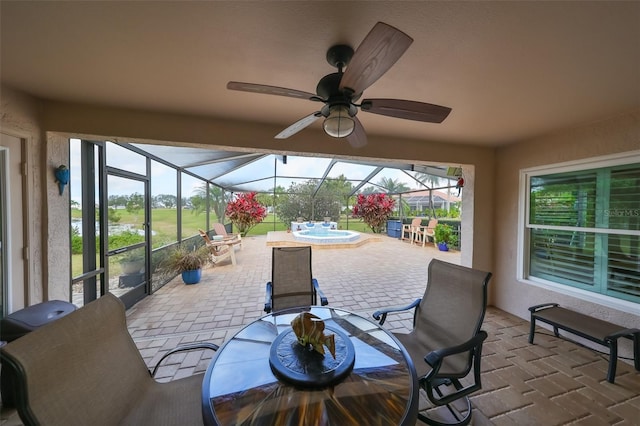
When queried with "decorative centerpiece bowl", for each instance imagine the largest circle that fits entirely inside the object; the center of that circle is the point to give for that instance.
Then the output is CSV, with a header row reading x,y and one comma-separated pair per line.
x,y
298,354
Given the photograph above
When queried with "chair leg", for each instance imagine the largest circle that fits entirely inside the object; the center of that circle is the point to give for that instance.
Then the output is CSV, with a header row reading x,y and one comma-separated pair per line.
x,y
451,414
460,417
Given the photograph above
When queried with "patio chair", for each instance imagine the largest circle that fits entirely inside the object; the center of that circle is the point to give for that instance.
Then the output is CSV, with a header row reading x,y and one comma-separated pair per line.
x,y
424,233
446,341
220,250
219,229
292,283
87,370
408,229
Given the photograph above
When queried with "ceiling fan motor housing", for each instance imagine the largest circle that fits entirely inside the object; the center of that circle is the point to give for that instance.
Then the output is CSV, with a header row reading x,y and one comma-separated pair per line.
x,y
328,89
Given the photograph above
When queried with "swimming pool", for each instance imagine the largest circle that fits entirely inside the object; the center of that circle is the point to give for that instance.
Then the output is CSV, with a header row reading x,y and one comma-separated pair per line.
x,y
324,235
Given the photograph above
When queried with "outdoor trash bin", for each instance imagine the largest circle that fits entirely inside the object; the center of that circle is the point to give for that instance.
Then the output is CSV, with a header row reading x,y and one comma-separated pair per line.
x,y
21,322
394,228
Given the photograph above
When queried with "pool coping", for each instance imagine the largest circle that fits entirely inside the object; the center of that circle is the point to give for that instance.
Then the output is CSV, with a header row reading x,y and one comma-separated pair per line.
x,y
283,238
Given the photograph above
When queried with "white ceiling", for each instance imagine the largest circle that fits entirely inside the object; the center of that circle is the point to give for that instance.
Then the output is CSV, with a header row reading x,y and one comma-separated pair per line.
x,y
510,70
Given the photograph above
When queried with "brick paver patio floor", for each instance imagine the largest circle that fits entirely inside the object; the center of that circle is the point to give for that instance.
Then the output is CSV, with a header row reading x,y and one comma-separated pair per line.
x,y
553,382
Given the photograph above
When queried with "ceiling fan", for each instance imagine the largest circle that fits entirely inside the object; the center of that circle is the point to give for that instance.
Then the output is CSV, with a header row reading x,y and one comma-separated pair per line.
x,y
339,91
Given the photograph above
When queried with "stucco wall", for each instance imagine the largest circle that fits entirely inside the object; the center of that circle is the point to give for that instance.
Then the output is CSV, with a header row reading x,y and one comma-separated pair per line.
x,y
615,135
57,245
19,117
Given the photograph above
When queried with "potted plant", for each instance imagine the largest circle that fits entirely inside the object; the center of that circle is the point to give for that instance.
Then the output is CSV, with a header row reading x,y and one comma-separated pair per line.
x,y
187,262
443,236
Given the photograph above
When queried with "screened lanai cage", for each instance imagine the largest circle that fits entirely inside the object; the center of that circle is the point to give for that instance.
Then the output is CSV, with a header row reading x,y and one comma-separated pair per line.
x,y
322,186
149,198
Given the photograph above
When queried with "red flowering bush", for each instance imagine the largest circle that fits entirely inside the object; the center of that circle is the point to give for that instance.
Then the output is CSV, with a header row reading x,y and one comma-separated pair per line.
x,y
374,209
245,211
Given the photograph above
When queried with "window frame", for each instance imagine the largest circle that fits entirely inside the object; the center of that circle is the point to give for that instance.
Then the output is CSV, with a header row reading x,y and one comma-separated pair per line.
x,y
523,245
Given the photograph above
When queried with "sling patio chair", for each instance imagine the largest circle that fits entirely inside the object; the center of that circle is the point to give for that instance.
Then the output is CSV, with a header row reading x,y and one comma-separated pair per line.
x,y
85,369
292,283
409,229
424,233
446,341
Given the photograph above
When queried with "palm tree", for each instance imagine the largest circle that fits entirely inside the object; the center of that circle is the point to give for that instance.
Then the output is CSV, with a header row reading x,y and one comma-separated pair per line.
x,y
392,186
433,181
218,199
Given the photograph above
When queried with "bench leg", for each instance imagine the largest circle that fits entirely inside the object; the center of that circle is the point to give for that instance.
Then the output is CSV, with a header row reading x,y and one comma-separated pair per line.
x,y
636,351
532,329
613,360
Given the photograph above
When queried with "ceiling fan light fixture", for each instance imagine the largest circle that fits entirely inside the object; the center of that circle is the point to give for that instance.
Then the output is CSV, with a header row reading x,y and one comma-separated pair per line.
x,y
339,123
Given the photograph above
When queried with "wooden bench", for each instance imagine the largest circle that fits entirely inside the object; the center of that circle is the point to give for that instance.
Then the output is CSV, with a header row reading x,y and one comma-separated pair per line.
x,y
593,329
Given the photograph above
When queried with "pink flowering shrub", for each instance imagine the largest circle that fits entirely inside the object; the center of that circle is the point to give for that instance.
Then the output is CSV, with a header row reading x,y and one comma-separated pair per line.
x,y
374,209
245,211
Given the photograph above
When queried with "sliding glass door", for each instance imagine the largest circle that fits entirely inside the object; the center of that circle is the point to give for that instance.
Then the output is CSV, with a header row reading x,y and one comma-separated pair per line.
x,y
110,210
128,235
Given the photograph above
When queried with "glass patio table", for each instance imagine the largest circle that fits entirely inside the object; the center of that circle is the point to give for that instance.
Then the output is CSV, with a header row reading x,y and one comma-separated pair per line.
x,y
244,385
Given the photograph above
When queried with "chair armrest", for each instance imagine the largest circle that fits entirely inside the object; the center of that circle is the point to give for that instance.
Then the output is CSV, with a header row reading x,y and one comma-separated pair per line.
x,y
536,308
320,295
183,348
381,315
435,358
267,298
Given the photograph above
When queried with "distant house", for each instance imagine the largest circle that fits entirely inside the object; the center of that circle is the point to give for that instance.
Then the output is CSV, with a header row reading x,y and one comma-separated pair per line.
x,y
419,201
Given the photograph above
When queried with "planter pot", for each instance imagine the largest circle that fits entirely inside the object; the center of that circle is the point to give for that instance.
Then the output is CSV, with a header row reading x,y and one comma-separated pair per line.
x,y
192,277
443,247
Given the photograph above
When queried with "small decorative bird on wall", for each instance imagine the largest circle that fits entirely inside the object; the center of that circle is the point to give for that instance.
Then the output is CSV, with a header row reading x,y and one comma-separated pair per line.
x,y
62,177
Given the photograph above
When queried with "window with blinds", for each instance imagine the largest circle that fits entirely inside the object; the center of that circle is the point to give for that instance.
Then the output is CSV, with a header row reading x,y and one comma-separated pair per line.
x,y
583,229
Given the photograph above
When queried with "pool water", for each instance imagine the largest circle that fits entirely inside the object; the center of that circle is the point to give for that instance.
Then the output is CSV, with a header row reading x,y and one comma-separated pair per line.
x,y
325,235
322,230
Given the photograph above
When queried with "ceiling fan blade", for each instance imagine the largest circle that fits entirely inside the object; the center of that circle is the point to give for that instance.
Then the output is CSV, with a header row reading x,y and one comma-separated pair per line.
x,y
270,90
358,138
409,110
298,125
379,50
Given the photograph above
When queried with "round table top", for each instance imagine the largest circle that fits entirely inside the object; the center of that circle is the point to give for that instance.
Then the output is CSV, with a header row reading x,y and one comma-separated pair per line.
x,y
240,388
